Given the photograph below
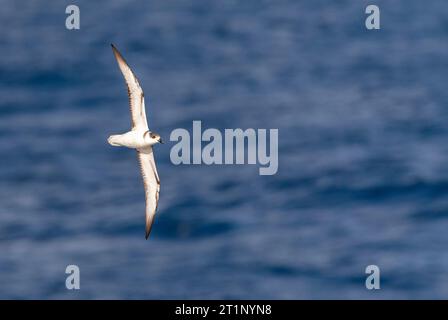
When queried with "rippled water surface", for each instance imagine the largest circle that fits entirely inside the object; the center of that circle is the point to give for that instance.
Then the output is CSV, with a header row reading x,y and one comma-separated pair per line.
x,y
363,170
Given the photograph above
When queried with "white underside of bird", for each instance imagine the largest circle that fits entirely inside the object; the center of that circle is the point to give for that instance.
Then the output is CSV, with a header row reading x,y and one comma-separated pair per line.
x,y
141,139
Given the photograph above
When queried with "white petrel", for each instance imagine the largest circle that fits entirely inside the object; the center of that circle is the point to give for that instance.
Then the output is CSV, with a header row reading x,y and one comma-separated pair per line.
x,y
141,139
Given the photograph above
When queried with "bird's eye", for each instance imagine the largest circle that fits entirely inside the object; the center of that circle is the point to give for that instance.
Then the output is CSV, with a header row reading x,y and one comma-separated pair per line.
x,y
153,136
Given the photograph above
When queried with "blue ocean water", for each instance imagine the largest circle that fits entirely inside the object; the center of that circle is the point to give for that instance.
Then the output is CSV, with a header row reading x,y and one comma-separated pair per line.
x,y
363,170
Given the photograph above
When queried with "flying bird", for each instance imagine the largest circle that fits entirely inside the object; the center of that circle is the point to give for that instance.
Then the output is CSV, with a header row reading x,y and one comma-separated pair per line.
x,y
141,139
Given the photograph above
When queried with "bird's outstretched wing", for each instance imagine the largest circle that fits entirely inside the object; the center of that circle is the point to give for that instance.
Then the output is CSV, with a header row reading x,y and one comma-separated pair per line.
x,y
151,183
135,92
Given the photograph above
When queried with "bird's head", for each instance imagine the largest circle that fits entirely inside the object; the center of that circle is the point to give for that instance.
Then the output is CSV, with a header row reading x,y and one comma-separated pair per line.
x,y
152,137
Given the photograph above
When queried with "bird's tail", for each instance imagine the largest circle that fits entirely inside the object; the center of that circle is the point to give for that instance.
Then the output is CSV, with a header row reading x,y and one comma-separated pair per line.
x,y
114,140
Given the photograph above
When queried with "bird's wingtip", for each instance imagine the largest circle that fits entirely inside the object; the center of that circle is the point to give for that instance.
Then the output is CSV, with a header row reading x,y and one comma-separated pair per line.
x,y
148,228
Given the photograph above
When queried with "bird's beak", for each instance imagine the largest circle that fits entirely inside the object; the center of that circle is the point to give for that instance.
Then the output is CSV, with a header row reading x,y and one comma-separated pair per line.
x,y
160,141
